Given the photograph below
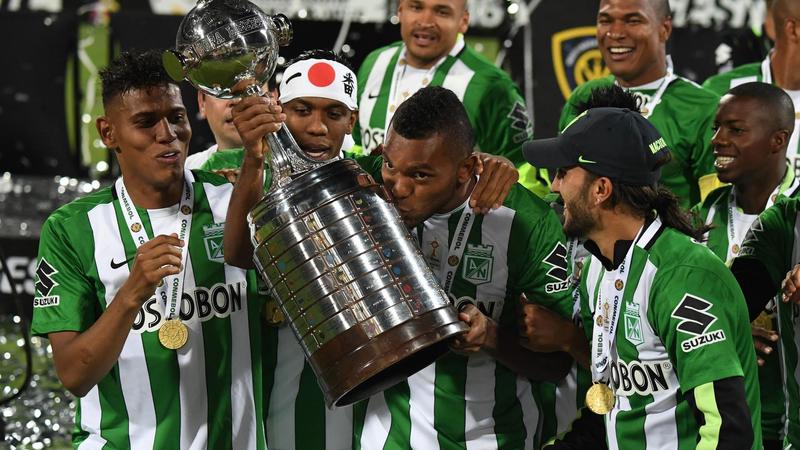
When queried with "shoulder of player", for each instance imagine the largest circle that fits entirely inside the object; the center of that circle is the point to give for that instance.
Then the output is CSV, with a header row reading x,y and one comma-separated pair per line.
x,y
721,82
688,91
715,196
675,255
529,211
369,61
483,68
582,92
206,177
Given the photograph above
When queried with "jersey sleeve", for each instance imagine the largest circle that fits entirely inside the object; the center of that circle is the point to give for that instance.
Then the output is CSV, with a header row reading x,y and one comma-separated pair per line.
x,y
544,275
502,124
770,240
370,164
699,314
64,295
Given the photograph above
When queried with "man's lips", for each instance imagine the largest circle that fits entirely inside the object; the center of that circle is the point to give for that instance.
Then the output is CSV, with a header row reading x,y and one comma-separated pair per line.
x,y
170,156
618,52
423,38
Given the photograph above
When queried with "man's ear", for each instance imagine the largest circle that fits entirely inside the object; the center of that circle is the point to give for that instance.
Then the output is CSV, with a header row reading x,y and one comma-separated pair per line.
x,y
201,104
353,120
106,131
778,140
601,190
467,168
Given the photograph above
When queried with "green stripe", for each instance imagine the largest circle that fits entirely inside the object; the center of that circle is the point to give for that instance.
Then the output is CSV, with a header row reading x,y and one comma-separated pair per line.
x,y
398,399
442,70
378,118
216,333
547,405
509,424
707,404
162,364
449,404
309,412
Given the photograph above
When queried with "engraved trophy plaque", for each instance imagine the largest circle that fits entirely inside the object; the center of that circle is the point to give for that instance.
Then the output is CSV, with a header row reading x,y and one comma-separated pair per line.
x,y
331,248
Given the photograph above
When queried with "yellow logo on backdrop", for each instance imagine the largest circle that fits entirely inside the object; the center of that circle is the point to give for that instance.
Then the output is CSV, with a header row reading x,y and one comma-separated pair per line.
x,y
576,58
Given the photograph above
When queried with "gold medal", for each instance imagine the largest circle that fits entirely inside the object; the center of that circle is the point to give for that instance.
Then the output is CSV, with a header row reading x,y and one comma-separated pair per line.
x,y
273,314
173,334
600,398
763,321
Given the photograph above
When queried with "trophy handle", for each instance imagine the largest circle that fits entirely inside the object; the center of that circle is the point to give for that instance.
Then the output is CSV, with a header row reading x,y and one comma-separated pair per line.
x,y
286,159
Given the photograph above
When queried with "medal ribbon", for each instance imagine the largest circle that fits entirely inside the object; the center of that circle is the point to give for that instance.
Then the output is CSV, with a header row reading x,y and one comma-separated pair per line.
x,y
136,228
456,249
607,309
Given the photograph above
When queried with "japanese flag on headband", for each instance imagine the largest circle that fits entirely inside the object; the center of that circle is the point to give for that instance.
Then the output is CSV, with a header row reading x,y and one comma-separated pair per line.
x,y
319,78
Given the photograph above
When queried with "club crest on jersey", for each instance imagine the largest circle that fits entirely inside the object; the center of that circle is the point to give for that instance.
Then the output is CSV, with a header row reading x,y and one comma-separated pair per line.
x,y
633,325
212,238
44,284
557,259
695,321
478,264
576,58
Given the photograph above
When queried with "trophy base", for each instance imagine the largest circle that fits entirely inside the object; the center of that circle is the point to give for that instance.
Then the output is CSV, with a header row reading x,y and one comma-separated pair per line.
x,y
385,360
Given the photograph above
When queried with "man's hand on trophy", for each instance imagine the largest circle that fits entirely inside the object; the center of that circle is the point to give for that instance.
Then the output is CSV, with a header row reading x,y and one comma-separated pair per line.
x,y
254,118
480,334
497,176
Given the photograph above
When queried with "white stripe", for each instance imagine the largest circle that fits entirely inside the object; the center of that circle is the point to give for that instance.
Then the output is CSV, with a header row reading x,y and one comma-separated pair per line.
x,y
479,390
567,400
530,413
90,420
338,426
280,421
133,375
377,422
421,401
458,79
243,406
372,86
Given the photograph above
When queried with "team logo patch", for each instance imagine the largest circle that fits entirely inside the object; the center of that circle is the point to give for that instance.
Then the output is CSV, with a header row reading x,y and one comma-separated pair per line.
x,y
212,238
478,264
695,321
521,122
136,227
633,325
557,259
576,58
44,285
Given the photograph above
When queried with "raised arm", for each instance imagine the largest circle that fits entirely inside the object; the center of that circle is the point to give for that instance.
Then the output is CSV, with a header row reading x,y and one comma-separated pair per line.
x,y
254,117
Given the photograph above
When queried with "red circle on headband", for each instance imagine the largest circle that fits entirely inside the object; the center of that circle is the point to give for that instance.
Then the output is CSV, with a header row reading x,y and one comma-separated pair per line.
x,y
321,74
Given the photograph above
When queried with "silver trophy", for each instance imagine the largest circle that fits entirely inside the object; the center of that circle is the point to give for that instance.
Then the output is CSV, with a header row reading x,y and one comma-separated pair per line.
x,y
332,250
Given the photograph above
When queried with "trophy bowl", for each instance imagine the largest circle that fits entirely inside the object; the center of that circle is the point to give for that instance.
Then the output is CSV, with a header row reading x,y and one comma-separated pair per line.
x,y
227,48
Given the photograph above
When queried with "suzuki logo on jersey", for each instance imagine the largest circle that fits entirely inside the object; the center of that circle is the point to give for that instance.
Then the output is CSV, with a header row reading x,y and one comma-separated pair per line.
x,y
490,307
221,300
45,282
558,260
212,238
695,321
478,264
751,236
641,378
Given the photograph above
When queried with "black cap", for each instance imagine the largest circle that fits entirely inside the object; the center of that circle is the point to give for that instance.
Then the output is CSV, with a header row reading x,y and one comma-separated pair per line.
x,y
611,142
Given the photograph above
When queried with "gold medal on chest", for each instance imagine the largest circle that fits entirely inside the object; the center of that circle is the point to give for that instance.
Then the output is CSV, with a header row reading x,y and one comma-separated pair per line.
x,y
600,398
173,334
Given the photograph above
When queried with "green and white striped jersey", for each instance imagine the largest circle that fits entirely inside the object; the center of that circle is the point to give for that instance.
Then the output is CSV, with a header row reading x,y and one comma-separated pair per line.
x,y
494,105
206,394
473,402
715,210
721,83
684,116
772,240
682,325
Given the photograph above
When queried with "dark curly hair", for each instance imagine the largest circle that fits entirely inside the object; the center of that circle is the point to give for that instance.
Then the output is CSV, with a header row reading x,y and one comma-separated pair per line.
x,y
435,110
319,53
133,69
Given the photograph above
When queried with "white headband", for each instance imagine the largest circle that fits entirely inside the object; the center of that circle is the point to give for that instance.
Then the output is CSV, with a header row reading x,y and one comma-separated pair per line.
x,y
319,78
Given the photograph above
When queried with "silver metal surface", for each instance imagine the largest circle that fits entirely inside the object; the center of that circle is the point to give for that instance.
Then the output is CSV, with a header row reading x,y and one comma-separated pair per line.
x,y
350,280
